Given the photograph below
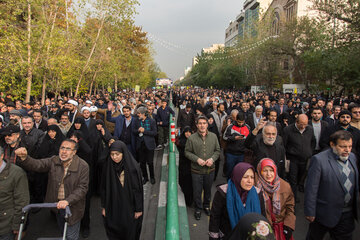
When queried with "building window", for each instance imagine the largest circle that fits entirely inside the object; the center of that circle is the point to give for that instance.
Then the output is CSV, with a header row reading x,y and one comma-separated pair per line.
x,y
275,26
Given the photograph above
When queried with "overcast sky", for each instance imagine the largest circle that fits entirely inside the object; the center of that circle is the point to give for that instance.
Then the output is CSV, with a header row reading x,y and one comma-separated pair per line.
x,y
180,29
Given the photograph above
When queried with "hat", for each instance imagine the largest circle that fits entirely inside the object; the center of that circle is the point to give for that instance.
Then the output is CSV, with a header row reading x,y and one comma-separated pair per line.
x,y
85,108
15,112
88,102
344,112
93,109
10,104
11,129
73,102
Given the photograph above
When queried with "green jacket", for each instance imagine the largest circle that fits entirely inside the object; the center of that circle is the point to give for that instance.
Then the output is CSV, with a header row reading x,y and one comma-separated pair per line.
x,y
14,195
197,147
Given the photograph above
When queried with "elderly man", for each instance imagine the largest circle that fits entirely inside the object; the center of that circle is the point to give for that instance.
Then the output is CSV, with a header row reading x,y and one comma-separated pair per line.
x,y
267,144
64,124
14,195
299,142
254,119
11,143
332,190
67,183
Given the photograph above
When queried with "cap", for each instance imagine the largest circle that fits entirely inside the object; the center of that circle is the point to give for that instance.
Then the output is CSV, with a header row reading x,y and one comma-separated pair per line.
x,y
73,102
11,129
88,102
15,112
93,109
85,108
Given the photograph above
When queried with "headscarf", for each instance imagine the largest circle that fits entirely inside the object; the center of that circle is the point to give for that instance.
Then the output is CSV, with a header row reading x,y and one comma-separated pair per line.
x,y
270,188
119,167
84,129
252,226
182,138
50,147
236,196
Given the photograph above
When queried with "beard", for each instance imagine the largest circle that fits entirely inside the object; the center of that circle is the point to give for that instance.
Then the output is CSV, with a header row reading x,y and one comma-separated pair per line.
x,y
269,141
342,158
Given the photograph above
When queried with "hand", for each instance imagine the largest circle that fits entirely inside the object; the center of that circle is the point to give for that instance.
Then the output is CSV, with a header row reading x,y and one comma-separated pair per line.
x,y
238,137
110,106
111,141
160,123
209,162
102,131
62,204
21,153
201,162
228,121
261,124
310,219
103,212
138,214
177,131
141,129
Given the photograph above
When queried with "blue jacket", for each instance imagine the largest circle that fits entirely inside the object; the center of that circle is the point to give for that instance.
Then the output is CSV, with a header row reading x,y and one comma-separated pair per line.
x,y
324,192
163,115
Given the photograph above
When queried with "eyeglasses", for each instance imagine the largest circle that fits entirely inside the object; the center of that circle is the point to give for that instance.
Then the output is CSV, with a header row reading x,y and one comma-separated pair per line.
x,y
66,149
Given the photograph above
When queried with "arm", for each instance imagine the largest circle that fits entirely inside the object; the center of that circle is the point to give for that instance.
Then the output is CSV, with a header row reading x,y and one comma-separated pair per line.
x,y
189,151
228,136
109,118
311,187
249,140
21,198
290,217
36,165
82,187
216,153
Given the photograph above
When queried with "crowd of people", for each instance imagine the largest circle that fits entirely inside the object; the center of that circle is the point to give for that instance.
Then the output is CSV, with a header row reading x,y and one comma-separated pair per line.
x,y
271,145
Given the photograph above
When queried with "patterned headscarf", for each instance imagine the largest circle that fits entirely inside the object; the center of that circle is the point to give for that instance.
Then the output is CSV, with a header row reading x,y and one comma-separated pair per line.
x,y
270,188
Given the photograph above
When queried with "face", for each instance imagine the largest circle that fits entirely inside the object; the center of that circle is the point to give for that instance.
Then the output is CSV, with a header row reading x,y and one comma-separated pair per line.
x,y
187,134
337,111
37,117
142,116
268,174
345,119
240,122
272,116
27,124
247,181
202,125
355,113
281,101
67,151
52,134
321,103
316,115
77,126
126,112
116,156
211,120
269,135
221,108
342,148
258,112
12,138
64,120
73,137
86,114
99,127
301,124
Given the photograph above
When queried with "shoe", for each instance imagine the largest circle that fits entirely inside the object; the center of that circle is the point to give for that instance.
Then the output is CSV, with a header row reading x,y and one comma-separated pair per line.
x,y
159,147
145,180
207,211
197,215
86,233
152,181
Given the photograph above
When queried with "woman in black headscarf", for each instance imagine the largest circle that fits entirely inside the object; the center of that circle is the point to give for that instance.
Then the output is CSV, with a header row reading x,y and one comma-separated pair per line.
x,y
122,197
185,180
51,142
79,124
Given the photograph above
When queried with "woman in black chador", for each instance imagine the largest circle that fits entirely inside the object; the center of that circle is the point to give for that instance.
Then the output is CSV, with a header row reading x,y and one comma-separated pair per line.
x,y
122,196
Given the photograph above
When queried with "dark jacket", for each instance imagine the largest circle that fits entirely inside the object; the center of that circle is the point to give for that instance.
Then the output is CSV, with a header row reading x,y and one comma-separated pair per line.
x,y
324,126
75,182
32,140
186,119
260,151
148,135
233,146
163,115
42,126
14,195
299,146
324,191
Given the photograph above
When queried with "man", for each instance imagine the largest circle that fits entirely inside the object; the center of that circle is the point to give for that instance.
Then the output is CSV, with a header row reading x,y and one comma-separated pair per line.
x,y
333,119
281,107
235,136
162,119
111,113
31,137
40,122
267,144
64,124
186,117
299,142
219,116
332,190
11,143
305,108
343,124
14,195
72,110
54,112
254,118
145,130
89,122
202,149
272,117
319,127
355,113
67,183
15,118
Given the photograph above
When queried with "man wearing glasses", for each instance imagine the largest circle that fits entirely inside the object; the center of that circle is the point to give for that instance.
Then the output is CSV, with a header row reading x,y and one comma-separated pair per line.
x,y
67,183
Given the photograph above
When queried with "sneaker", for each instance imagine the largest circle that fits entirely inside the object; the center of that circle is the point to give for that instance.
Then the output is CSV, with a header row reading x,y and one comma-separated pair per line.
x,y
197,215
207,211
152,181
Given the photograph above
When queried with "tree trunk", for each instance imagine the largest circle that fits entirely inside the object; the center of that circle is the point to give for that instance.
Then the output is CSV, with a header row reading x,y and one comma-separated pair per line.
x,y
94,77
90,55
116,87
29,71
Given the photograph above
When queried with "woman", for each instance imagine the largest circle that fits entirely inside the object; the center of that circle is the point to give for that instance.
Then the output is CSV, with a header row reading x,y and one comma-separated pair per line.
x,y
279,199
51,142
122,194
185,180
234,200
79,124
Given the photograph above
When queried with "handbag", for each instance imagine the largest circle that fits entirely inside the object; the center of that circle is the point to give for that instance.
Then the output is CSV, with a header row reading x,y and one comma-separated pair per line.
x,y
278,227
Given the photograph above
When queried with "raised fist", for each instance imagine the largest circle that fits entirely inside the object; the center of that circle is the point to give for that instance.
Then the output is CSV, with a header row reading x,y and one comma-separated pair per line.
x,y
21,153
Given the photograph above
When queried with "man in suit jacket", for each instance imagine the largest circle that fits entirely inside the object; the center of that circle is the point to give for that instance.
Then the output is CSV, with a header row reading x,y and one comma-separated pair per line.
x,y
319,126
255,118
332,189
281,107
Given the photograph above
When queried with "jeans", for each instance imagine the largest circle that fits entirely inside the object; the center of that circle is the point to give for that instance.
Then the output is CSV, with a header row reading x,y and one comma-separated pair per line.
x,y
202,182
7,236
231,161
342,231
72,232
296,173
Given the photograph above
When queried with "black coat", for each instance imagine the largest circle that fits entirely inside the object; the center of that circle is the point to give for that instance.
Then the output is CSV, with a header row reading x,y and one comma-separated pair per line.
x,y
32,140
148,135
186,119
